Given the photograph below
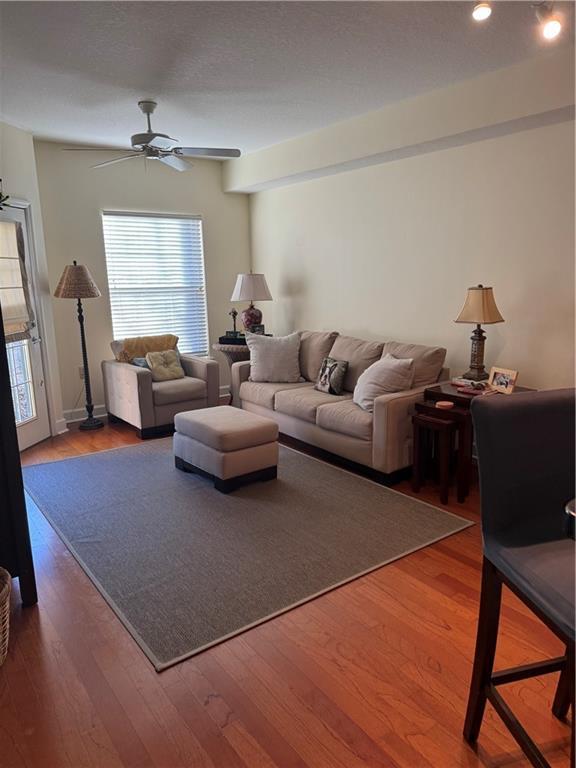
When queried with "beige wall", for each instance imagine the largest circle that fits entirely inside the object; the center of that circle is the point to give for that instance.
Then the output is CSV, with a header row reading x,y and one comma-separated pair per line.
x,y
73,196
18,173
387,252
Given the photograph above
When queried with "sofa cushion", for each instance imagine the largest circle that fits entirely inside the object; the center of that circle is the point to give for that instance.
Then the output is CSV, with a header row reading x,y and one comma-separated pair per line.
x,y
226,429
347,418
263,392
391,374
178,390
359,354
274,358
314,347
125,350
303,402
428,361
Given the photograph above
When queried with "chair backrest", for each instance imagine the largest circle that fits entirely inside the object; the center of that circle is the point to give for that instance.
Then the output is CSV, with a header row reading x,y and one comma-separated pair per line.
x,y
525,448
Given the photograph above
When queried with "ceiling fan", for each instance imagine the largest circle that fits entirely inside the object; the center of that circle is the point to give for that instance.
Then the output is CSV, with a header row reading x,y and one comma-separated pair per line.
x,y
159,146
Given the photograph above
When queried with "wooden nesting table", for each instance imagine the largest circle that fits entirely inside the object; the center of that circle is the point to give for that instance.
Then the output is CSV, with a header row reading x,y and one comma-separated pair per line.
x,y
458,427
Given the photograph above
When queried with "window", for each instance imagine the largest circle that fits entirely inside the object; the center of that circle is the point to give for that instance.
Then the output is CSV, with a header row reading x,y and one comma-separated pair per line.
x,y
156,277
21,384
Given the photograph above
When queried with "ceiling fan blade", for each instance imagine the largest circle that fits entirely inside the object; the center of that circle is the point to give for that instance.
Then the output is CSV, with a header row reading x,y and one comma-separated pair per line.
x,y
206,152
93,149
175,162
118,160
162,142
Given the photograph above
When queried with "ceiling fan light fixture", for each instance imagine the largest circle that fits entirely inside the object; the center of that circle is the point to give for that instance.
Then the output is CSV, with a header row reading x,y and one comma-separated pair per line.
x,y
482,11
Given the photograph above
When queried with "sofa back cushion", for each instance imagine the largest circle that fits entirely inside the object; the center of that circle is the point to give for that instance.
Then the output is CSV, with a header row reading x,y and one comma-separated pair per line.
x,y
428,361
314,347
274,358
125,350
358,353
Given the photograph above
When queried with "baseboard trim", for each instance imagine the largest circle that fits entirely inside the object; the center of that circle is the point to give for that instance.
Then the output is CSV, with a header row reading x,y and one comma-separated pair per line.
x,y
60,427
79,414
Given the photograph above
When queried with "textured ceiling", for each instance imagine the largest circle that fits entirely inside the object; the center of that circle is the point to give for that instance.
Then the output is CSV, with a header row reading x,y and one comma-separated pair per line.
x,y
235,73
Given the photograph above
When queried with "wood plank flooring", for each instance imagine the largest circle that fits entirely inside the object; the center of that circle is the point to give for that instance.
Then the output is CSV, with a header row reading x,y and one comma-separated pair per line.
x,y
372,674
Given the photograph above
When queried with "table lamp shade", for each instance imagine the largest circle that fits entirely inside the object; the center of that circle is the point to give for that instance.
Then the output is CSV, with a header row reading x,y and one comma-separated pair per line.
x,y
480,307
251,287
76,282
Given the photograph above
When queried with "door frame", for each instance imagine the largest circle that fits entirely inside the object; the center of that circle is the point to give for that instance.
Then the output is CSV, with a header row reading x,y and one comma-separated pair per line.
x,y
48,354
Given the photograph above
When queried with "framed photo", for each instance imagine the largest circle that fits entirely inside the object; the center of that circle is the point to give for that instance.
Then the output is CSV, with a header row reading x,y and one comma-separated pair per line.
x,y
502,380
258,329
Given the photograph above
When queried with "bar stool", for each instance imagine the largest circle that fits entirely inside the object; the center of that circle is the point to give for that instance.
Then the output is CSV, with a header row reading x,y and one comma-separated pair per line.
x,y
526,458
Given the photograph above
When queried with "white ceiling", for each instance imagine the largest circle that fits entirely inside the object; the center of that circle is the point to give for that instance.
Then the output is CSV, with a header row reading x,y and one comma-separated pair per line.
x,y
239,74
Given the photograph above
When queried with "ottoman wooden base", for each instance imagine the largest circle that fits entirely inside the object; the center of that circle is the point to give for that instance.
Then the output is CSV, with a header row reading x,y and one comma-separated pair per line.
x,y
226,486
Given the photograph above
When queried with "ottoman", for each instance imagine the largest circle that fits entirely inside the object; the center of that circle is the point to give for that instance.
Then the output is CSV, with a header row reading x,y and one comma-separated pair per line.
x,y
231,446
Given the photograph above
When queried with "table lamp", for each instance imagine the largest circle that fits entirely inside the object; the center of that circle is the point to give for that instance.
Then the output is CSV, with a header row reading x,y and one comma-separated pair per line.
x,y
251,287
77,283
479,308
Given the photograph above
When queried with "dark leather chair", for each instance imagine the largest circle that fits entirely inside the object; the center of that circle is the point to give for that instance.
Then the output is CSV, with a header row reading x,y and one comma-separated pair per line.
x,y
525,447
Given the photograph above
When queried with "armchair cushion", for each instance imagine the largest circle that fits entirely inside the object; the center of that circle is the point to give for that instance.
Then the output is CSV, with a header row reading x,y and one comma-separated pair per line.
x,y
178,390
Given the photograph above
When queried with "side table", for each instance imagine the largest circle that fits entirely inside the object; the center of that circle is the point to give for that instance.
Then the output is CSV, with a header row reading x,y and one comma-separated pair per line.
x,y
461,411
234,353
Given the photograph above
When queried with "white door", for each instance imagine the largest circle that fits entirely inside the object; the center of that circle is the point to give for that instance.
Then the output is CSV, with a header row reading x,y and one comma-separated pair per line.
x,y
25,357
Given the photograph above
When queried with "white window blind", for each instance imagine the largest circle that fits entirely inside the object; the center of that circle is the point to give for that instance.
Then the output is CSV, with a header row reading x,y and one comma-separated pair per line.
x,y
156,277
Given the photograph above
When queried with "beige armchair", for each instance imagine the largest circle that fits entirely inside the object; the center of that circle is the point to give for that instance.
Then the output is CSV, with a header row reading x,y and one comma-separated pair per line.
x,y
150,406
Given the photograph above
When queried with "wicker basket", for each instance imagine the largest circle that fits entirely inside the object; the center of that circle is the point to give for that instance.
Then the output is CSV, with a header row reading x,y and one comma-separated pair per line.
x,y
5,586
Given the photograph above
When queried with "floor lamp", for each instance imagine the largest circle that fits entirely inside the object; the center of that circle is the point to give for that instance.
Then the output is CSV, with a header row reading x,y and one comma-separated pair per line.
x,y
77,283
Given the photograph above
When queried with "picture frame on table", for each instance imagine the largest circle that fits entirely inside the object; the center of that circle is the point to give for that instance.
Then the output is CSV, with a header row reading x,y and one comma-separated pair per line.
x,y
259,329
502,380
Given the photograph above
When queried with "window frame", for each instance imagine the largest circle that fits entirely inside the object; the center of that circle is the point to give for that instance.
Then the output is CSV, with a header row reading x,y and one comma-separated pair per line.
x,y
161,215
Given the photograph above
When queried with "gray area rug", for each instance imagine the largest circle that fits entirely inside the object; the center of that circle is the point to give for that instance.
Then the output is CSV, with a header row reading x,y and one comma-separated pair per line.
x,y
185,567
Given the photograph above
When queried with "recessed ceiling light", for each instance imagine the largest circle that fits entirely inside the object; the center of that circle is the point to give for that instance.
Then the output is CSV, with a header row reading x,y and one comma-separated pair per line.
x,y
481,11
550,24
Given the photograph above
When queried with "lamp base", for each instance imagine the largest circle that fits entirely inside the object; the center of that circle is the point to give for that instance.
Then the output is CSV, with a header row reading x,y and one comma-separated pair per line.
x,y
91,423
477,371
251,316
476,374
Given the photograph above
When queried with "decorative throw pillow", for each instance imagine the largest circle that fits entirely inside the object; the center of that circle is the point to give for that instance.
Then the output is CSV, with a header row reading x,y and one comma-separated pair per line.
x,y
165,366
331,376
387,375
274,358
140,362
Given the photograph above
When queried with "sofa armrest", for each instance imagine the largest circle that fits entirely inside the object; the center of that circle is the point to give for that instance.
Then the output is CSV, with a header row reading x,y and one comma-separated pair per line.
x,y
206,369
239,372
128,393
392,429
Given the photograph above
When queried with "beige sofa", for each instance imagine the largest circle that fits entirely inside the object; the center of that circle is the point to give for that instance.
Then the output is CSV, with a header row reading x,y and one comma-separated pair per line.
x,y
381,440
150,406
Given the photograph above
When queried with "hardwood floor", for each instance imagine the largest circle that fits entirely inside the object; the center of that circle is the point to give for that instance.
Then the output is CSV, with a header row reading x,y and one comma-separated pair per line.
x,y
375,673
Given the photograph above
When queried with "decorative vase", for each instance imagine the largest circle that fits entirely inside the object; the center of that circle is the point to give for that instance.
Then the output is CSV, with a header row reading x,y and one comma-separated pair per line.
x,y
251,316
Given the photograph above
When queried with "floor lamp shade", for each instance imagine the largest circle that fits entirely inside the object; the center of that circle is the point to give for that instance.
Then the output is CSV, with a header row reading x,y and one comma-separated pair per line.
x,y
76,282
251,287
479,309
